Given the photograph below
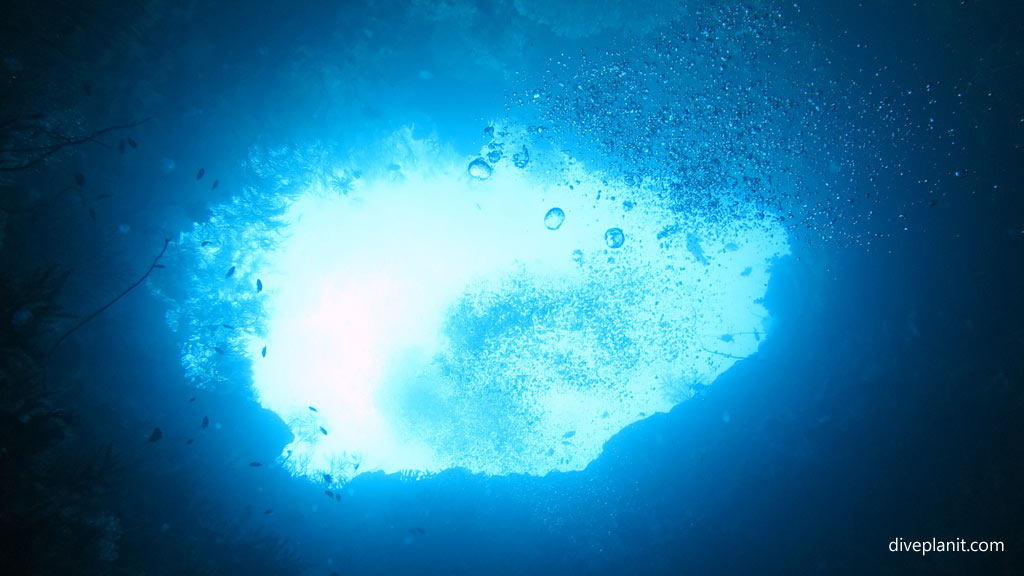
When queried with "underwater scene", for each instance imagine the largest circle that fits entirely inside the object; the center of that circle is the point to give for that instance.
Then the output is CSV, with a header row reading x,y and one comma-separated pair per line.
x,y
468,287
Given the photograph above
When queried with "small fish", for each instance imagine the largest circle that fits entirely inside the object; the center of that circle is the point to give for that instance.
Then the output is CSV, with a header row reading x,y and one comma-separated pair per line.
x,y
231,272
80,179
215,183
311,409
694,247
206,422
199,175
255,464
188,442
155,435
120,146
92,213
327,478
227,326
192,399
323,431
337,496
259,285
102,196
218,349
159,266
133,143
329,493
267,511
264,352
420,531
205,243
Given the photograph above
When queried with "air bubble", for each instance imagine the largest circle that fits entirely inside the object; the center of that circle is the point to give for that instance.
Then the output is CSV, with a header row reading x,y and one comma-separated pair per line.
x,y
554,218
614,238
480,169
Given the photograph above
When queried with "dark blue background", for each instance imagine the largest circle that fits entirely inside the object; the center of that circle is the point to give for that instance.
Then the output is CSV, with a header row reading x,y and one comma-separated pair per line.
x,y
885,404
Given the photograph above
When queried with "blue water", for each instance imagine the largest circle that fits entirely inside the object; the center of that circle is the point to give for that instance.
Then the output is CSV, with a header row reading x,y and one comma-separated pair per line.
x,y
884,402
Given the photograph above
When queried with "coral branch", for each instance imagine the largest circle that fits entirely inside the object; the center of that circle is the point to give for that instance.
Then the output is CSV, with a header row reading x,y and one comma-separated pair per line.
x,y
51,149
99,311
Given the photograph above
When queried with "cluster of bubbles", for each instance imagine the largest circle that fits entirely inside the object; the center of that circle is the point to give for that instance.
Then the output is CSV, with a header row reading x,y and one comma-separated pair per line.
x,y
723,109
538,367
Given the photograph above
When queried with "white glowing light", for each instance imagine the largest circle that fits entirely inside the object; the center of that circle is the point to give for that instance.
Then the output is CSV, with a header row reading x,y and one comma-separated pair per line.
x,y
433,319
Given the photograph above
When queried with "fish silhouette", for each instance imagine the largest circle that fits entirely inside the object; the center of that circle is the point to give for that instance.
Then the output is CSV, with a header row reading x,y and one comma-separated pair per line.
x,y
693,246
